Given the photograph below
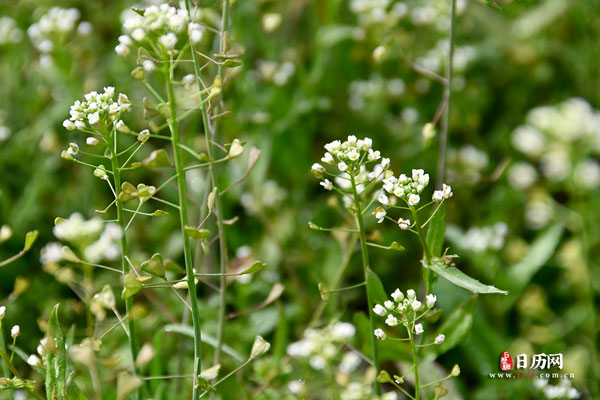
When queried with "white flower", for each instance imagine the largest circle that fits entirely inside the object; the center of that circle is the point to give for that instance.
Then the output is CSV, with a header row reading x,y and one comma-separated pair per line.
x,y
342,166
138,34
353,155
411,294
169,40
143,135
79,124
352,139
415,305
333,146
413,199
379,334
69,125
379,214
15,331
34,361
342,331
349,362
93,118
125,40
379,310
2,312
437,196
397,296
367,143
404,224
430,299
327,184
91,141
122,50
399,191
446,191
73,149
374,155
295,387
121,127
196,36
317,362
439,339
418,329
317,169
389,304
327,158
391,320
149,65
383,199
385,163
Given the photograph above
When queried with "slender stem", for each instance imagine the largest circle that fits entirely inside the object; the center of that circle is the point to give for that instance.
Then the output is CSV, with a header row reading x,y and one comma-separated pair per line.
x,y
18,375
441,165
415,362
421,234
5,368
124,249
183,216
365,261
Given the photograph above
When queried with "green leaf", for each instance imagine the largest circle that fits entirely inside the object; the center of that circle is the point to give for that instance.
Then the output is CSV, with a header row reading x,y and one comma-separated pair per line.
x,y
69,255
157,159
160,213
30,240
539,253
456,327
60,360
155,266
257,266
461,279
436,232
196,233
375,288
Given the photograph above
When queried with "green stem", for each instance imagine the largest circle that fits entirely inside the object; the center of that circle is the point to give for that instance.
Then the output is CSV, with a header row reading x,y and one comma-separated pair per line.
x,y
441,165
183,216
365,261
415,362
5,368
124,250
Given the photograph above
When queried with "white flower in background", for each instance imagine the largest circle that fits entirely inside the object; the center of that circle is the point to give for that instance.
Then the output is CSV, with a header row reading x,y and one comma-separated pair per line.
x,y
51,253
271,21
528,140
341,331
391,320
538,213
383,199
439,339
411,294
430,299
556,164
418,329
379,334
9,32
587,174
2,312
91,141
317,362
350,362
15,331
34,360
480,239
404,224
163,21
57,22
296,387
522,175
379,310
437,196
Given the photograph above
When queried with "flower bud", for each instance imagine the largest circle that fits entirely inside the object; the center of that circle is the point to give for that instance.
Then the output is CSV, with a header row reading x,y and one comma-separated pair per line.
x,y
15,331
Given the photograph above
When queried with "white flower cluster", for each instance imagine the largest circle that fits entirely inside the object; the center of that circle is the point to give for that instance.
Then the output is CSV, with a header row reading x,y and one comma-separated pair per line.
x,y
55,23
479,239
9,32
563,390
160,24
351,158
403,310
371,91
564,140
97,108
410,188
96,240
320,346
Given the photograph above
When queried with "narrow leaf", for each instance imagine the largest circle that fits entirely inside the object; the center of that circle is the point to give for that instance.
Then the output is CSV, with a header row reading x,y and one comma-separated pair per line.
x,y
456,327
375,288
461,279
436,232
195,233
157,159
257,266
